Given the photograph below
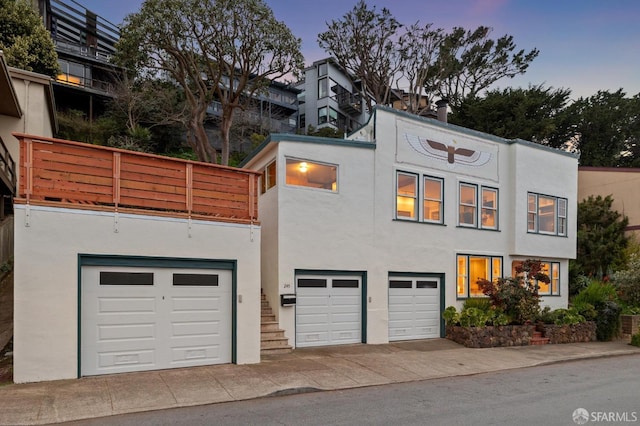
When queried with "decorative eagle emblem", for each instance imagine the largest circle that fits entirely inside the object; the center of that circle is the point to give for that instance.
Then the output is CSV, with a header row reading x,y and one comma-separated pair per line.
x,y
448,153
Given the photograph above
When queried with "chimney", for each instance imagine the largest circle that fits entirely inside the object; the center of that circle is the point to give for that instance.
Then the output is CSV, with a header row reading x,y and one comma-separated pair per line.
x,y
442,105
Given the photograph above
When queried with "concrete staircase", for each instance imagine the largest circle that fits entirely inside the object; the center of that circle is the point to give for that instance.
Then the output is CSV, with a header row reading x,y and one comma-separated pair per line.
x,y
272,339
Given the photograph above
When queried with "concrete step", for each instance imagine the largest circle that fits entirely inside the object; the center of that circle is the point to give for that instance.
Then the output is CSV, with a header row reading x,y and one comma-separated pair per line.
x,y
276,351
267,318
269,326
273,342
266,311
271,334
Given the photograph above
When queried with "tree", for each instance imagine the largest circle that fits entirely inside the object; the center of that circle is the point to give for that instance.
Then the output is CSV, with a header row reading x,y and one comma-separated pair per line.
x,y
469,62
381,52
601,238
528,114
418,49
604,128
216,50
362,43
24,40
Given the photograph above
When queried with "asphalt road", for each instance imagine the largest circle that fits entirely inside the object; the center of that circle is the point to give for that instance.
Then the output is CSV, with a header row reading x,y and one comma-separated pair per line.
x,y
608,389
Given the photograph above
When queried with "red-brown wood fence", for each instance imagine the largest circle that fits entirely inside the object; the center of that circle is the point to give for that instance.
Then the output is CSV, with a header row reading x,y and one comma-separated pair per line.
x,y
79,175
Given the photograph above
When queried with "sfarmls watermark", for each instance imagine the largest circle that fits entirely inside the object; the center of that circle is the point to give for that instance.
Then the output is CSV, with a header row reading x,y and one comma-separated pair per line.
x,y
582,416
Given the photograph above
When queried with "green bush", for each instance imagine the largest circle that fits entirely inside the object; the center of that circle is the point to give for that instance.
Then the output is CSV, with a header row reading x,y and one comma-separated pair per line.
x,y
482,303
561,316
608,320
577,284
635,339
587,310
627,282
475,317
595,293
451,316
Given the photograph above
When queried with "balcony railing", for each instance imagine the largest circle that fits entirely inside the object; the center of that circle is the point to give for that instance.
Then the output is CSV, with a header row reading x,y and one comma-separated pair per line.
x,y
56,172
7,169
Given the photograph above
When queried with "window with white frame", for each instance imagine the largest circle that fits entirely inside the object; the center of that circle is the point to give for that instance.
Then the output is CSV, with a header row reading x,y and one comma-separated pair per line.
x,y
552,269
546,214
311,174
471,268
478,206
419,197
468,205
406,196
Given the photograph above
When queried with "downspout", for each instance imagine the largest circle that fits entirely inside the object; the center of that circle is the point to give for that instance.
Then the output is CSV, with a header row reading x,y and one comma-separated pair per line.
x,y
26,106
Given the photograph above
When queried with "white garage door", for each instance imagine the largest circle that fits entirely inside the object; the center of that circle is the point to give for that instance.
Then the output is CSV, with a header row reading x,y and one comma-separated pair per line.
x,y
414,308
136,319
328,310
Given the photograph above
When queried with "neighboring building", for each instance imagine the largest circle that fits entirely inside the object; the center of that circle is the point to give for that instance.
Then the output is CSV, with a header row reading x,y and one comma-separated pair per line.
x,y
127,261
621,183
330,98
374,235
26,105
274,110
85,43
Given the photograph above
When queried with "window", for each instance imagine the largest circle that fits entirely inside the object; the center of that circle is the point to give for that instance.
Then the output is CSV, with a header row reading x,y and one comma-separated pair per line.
x,y
312,174
268,177
467,210
407,202
303,121
322,69
546,214
468,206
552,269
471,268
322,115
407,194
432,207
323,88
489,208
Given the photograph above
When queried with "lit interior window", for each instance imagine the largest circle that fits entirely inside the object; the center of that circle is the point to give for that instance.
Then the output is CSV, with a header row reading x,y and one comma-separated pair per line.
x,y
406,196
311,174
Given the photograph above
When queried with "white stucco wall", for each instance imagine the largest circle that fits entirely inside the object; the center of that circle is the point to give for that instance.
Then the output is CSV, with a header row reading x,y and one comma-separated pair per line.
x,y
355,229
46,276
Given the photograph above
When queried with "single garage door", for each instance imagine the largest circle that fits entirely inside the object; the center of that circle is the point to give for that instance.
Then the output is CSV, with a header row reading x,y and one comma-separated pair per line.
x,y
414,308
328,310
136,319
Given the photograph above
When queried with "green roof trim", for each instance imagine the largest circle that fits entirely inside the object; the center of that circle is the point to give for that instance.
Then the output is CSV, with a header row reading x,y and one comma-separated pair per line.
x,y
290,137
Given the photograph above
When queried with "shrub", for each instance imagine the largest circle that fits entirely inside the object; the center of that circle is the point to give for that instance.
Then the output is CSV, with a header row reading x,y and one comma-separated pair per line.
x,y
635,339
577,284
482,303
451,316
595,293
627,282
474,317
561,316
587,310
608,320
517,297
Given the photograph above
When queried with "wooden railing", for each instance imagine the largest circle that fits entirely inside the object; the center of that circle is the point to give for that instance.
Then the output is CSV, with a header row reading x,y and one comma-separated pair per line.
x,y
7,169
78,175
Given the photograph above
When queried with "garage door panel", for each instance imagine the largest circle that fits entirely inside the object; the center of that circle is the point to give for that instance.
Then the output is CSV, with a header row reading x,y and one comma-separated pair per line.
x,y
126,304
123,332
114,362
196,355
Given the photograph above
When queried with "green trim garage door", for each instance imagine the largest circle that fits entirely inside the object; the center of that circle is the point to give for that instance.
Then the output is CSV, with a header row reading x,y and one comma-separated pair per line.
x,y
149,318
414,307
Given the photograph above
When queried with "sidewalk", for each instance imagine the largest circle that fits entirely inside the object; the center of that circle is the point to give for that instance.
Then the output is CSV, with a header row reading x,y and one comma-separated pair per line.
x,y
338,367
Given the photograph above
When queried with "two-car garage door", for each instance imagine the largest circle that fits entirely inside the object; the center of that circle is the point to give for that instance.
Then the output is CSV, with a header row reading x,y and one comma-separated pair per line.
x,y
136,319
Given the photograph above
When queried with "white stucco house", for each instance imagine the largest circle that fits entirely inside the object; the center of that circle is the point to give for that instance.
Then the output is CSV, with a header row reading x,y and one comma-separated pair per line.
x,y
367,239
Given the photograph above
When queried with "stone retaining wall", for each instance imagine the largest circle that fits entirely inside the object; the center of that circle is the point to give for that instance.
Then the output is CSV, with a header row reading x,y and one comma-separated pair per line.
x,y
520,335
491,336
574,333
